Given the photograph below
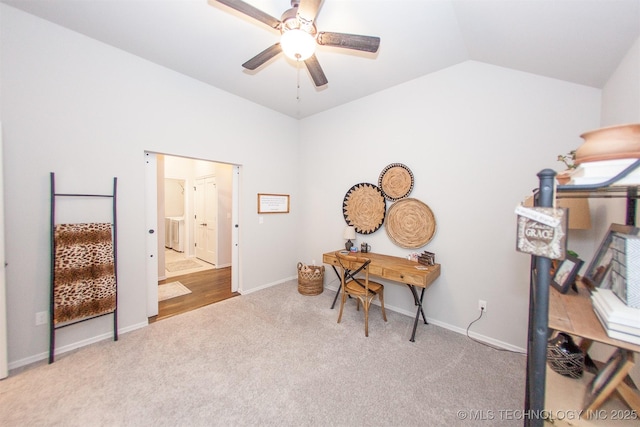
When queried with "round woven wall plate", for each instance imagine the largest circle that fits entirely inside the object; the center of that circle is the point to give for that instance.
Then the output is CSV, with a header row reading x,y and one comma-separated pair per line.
x,y
410,223
396,181
364,208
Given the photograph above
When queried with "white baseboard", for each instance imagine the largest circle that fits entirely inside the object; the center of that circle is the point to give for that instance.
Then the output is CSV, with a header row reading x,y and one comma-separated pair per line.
x,y
485,339
60,350
266,285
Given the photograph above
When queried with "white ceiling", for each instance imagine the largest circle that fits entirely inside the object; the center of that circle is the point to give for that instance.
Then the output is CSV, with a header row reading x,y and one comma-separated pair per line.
x,y
580,41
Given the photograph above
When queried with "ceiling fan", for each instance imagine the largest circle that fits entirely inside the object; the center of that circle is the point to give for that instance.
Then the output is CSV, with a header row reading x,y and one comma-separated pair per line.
x,y
299,36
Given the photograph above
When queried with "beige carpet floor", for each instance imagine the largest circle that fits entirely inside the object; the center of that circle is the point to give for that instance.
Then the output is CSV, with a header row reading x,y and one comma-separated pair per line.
x,y
274,358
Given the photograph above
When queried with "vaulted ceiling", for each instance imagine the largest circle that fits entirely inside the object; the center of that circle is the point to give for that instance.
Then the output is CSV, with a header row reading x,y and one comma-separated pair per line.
x,y
579,41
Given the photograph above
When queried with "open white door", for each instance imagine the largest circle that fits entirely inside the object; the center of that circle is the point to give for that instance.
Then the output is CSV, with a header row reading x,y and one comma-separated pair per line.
x,y
151,214
4,364
235,234
206,219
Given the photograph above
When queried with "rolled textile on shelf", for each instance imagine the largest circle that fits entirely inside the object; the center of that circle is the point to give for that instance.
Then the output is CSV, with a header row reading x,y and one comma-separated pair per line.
x,y
84,275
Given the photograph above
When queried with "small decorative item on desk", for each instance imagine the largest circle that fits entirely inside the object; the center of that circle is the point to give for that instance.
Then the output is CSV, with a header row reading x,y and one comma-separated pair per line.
x,y
365,247
413,256
349,234
310,278
427,258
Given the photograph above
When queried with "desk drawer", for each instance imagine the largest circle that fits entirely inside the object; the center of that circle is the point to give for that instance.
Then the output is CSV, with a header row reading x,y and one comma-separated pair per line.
x,y
376,270
330,260
335,262
410,278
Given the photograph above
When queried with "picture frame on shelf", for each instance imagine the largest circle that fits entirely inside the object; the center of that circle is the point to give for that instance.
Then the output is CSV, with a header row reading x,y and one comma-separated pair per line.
x,y
608,378
565,274
598,273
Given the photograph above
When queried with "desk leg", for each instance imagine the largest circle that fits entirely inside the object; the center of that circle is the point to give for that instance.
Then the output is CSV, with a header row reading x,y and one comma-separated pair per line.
x,y
339,287
418,302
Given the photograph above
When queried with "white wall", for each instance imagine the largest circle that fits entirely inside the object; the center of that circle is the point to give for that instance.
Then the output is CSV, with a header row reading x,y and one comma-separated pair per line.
x,y
621,94
88,112
474,136
174,198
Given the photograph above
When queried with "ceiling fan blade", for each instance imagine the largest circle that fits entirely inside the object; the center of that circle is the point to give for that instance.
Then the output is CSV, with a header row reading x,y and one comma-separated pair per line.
x,y
349,41
308,10
262,57
250,11
316,71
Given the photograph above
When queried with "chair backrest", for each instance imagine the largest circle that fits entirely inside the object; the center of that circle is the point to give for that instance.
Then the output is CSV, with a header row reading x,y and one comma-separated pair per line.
x,y
351,265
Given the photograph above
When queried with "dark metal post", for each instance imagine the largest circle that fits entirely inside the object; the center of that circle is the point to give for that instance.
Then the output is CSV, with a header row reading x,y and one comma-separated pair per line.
x,y
539,318
115,255
52,331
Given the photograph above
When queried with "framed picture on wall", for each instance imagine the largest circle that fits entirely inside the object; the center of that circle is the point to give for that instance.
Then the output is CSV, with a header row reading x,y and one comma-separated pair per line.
x,y
273,203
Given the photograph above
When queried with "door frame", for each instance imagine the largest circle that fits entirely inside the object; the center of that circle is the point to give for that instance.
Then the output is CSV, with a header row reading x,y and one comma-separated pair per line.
x,y
4,352
235,231
151,231
151,218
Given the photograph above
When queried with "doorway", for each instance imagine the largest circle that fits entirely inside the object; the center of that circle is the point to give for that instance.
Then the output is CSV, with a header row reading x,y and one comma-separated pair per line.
x,y
207,287
217,238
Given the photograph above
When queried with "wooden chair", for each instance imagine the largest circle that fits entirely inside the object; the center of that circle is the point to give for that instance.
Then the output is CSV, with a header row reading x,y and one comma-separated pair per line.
x,y
359,287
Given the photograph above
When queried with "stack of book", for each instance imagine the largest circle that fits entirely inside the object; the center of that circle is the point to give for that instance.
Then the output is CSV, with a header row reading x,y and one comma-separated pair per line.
x,y
618,319
427,258
601,171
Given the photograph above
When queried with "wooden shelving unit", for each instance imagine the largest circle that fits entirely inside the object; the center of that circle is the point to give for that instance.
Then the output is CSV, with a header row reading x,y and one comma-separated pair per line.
x,y
539,288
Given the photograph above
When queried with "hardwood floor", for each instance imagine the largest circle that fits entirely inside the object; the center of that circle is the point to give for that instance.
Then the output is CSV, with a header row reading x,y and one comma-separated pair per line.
x,y
207,287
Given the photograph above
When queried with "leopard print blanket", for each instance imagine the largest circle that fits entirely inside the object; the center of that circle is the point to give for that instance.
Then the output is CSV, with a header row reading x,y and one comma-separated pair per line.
x,y
84,276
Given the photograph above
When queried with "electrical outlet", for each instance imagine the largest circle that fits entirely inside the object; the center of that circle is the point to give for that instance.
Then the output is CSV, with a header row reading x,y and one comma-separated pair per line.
x,y
41,318
482,305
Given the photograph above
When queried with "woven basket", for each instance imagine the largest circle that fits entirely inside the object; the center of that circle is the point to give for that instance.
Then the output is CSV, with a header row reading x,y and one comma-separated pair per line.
x,y
396,181
364,208
410,223
310,278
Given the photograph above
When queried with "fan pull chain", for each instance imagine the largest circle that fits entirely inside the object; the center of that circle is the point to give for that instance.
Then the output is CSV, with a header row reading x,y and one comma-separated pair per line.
x,y
298,84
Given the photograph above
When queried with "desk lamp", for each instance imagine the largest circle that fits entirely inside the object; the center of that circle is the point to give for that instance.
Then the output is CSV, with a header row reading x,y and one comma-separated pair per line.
x,y
349,233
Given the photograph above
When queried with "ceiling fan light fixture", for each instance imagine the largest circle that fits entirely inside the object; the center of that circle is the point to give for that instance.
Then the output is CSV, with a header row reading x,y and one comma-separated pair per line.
x,y
298,44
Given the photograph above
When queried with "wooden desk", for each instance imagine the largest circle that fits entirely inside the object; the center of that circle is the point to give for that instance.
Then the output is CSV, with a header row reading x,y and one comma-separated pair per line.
x,y
395,269
573,313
